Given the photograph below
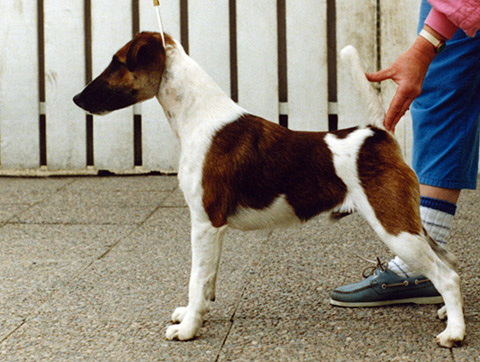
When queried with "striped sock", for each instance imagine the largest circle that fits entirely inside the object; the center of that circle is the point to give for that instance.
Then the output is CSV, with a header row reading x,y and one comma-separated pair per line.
x,y
437,216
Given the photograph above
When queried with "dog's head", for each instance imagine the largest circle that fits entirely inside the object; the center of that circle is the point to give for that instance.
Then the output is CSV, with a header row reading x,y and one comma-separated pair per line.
x,y
133,76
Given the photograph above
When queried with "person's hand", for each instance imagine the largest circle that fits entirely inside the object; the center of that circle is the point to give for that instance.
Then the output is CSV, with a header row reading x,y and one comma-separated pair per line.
x,y
408,71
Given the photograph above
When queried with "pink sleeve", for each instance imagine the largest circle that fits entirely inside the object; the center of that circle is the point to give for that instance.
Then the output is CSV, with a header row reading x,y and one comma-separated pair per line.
x,y
448,15
440,23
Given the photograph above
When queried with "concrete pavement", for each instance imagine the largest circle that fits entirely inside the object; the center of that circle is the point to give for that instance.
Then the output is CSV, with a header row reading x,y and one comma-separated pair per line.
x,y
91,269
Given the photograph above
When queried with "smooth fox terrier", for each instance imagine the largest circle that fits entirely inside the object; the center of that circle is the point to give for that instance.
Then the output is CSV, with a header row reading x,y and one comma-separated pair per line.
x,y
238,170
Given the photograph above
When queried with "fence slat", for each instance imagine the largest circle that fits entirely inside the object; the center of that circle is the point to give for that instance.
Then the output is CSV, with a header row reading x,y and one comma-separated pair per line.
x,y
159,144
64,77
19,102
307,65
258,57
357,26
255,82
113,134
399,29
209,38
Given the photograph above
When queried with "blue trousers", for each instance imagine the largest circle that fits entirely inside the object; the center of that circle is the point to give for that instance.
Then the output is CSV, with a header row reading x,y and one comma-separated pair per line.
x,y
446,116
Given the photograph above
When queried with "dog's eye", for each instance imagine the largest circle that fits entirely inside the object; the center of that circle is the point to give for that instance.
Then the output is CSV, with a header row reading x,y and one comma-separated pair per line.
x,y
117,63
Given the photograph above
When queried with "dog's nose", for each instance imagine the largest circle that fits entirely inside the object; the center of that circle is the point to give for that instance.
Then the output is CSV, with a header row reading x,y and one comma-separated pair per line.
x,y
78,100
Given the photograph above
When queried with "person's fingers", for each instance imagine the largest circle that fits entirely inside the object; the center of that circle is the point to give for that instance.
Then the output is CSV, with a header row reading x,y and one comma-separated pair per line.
x,y
405,108
381,75
398,107
394,110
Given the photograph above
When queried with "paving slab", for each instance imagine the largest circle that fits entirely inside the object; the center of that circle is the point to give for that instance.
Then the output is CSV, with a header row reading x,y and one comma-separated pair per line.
x,y
175,199
10,211
285,314
465,243
106,201
91,269
39,260
29,190
19,194
121,306
125,183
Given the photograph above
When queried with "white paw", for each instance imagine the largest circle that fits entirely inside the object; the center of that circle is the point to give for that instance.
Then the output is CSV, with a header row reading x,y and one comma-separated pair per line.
x,y
182,331
450,337
442,312
179,314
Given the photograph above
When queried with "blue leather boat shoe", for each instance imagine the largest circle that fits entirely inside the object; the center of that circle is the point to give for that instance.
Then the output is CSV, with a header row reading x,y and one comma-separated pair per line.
x,y
383,287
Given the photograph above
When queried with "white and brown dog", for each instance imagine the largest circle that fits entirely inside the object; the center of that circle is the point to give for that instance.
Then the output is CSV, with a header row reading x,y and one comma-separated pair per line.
x,y
240,171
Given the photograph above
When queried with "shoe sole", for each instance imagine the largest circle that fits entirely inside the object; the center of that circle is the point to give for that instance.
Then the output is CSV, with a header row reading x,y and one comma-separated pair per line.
x,y
424,300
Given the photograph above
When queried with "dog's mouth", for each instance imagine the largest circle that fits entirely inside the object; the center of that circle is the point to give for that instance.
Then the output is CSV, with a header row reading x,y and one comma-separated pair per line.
x,y
101,101
90,108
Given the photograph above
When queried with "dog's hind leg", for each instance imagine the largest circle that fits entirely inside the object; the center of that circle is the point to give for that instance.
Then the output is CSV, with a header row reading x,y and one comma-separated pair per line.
x,y
417,253
206,250
399,227
387,194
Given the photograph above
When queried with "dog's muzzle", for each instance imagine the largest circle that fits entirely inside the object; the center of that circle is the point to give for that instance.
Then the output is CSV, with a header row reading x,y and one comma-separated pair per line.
x,y
101,100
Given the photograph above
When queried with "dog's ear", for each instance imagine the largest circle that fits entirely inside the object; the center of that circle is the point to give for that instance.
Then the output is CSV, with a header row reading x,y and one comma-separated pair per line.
x,y
144,51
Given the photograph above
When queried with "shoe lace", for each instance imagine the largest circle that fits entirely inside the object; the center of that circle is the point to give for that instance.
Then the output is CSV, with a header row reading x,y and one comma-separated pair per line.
x,y
371,269
379,265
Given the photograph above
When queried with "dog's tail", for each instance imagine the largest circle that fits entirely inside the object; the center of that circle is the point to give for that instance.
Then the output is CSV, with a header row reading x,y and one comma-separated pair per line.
x,y
350,57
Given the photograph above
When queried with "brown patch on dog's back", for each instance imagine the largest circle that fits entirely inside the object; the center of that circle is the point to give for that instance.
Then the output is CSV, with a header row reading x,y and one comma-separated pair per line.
x,y
252,161
390,184
343,133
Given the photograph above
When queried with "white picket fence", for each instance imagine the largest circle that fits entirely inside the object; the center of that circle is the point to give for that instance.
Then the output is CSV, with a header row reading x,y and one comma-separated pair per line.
x,y
42,130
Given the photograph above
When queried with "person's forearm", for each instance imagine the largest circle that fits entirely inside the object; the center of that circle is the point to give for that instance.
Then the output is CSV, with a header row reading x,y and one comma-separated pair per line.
x,y
424,50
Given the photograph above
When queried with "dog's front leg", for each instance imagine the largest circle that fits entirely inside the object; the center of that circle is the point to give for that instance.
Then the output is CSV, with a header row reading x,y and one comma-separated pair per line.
x,y
206,249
